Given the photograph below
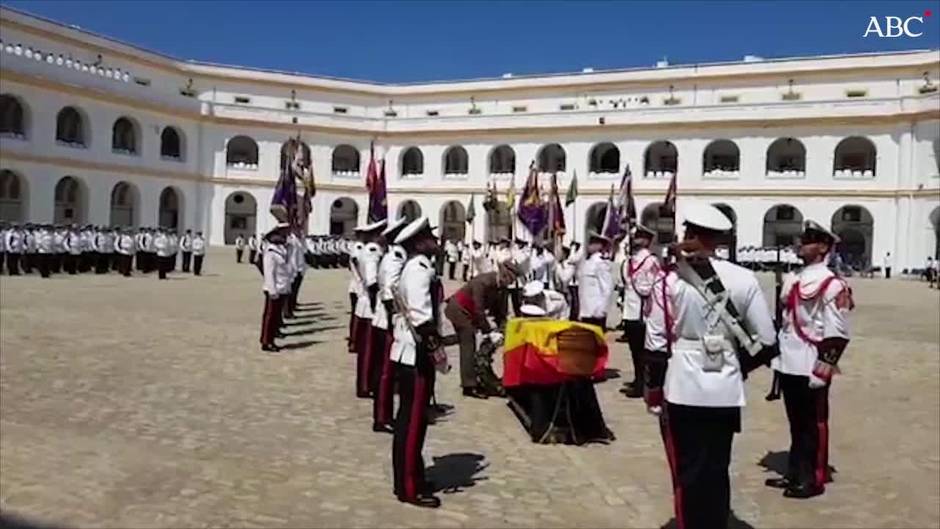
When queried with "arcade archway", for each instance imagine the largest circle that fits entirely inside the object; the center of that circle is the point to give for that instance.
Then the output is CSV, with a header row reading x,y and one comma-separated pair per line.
x,y
241,211
855,226
344,214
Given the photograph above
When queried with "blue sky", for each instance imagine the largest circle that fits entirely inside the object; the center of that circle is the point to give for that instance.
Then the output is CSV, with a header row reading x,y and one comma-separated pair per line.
x,y
416,41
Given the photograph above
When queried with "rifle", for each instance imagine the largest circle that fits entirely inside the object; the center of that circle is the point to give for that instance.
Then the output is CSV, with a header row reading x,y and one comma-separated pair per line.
x,y
774,393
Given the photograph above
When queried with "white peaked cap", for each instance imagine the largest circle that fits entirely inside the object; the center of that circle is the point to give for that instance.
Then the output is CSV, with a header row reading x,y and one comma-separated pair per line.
x,y
706,216
532,310
532,288
395,224
372,227
412,229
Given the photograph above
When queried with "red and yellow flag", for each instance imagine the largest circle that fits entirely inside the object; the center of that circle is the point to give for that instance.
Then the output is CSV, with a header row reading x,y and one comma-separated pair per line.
x,y
548,351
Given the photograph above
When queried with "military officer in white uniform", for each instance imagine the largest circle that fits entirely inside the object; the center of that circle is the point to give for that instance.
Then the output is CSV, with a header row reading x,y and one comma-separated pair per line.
x,y
252,248
14,247
73,248
451,254
104,246
704,386
351,253
186,248
198,246
381,376
367,266
45,246
595,282
239,248
416,339
638,272
814,334
125,248
163,247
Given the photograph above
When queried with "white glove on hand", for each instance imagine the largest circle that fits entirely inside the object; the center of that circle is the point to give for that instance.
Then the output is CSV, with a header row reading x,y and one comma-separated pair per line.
x,y
816,382
654,410
496,337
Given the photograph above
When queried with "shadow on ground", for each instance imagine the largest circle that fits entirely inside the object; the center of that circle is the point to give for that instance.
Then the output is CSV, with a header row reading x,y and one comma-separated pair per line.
x,y
778,462
452,473
733,523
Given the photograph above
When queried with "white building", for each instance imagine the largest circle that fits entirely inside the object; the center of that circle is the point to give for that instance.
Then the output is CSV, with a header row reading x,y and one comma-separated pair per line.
x,y
98,131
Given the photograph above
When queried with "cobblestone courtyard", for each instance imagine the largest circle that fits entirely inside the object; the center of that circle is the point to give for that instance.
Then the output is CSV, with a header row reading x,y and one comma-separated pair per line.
x,y
138,403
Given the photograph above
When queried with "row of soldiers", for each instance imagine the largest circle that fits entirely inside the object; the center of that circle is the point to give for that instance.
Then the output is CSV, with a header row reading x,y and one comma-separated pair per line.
x,y
50,249
696,325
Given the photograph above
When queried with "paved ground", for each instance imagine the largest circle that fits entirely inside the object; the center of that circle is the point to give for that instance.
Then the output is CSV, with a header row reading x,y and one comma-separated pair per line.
x,y
134,403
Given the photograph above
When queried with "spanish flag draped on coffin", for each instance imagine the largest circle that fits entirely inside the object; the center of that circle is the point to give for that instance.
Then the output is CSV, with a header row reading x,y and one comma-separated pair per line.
x,y
548,351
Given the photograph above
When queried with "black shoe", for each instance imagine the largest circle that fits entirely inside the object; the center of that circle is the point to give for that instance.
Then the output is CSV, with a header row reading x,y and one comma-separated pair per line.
x,y
475,393
424,500
778,483
271,348
382,428
803,491
623,339
632,392
280,335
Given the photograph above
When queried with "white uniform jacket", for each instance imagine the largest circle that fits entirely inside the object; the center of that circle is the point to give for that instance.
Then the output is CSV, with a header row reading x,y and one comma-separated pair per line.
x,y
595,286
277,278
389,272
414,289
816,306
638,274
687,380
198,245
355,285
368,267
161,244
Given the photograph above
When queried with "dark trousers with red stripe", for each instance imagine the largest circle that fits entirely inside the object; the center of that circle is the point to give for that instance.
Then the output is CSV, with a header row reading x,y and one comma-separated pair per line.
x,y
415,386
635,331
271,318
363,356
808,413
353,322
698,446
383,405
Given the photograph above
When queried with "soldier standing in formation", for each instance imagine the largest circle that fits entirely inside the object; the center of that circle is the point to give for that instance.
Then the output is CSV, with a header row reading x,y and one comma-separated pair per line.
x,y
416,338
812,338
595,283
252,248
381,377
367,267
239,248
704,389
198,245
638,272
186,248
276,285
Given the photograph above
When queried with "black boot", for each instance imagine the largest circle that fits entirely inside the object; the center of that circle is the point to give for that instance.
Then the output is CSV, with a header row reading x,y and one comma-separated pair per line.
x,y
803,491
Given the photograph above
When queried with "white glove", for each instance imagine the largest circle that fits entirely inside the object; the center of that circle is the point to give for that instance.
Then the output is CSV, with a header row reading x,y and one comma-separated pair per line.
x,y
496,337
654,410
816,382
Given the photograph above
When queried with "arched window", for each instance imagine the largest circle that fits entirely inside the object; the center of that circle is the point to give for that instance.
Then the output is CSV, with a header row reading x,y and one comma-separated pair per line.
x,y
855,157
455,160
346,160
605,159
721,157
552,158
344,214
410,210
70,199
12,121
242,152
782,225
855,226
241,211
169,213
503,160
11,197
786,157
412,162
124,137
70,127
453,219
661,160
171,145
123,205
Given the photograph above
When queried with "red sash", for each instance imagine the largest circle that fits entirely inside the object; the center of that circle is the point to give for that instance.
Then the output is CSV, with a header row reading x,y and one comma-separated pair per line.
x,y
794,297
465,301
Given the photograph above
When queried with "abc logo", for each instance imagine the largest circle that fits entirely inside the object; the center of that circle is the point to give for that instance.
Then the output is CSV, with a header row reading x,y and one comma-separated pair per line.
x,y
894,27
